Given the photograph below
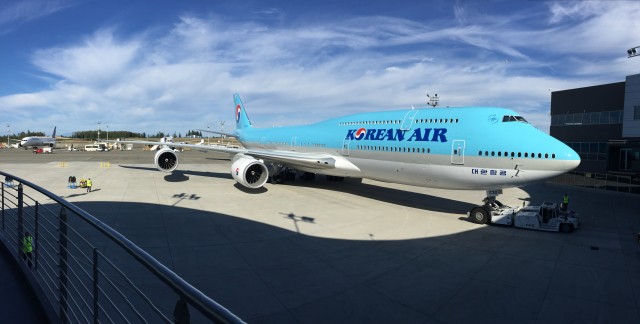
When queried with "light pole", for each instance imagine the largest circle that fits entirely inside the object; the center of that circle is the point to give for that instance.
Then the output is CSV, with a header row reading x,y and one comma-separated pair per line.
x,y
8,131
222,131
208,135
107,132
99,131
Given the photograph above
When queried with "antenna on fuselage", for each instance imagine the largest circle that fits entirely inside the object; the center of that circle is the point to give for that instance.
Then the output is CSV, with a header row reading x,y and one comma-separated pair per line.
x,y
433,101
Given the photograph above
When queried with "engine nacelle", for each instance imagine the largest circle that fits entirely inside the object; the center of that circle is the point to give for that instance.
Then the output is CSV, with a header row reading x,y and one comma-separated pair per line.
x,y
166,160
249,172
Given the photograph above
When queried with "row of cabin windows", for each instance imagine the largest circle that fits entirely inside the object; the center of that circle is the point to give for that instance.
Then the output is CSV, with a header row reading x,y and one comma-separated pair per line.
x,y
518,154
309,144
394,149
297,144
382,122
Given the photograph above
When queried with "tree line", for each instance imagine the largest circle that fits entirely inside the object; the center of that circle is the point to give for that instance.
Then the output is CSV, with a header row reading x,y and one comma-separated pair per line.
x,y
24,134
93,134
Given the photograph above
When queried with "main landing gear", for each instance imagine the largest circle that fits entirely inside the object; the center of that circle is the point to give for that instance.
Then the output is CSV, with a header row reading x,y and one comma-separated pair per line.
x,y
281,173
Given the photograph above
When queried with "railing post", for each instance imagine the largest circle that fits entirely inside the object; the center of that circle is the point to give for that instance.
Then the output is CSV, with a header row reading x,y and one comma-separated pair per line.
x,y
3,206
35,250
95,286
63,266
181,312
20,220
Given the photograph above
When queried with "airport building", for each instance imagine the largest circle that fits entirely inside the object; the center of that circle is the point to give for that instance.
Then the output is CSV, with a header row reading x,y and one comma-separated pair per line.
x,y
602,124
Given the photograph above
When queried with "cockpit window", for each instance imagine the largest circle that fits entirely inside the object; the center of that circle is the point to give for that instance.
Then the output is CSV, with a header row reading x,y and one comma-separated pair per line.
x,y
513,119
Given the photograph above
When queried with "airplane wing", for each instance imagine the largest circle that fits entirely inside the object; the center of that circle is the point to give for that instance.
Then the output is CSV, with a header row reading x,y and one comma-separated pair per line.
x,y
219,133
290,158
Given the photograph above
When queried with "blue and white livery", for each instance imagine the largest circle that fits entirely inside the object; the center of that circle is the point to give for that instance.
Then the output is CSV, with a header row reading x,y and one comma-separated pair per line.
x,y
450,148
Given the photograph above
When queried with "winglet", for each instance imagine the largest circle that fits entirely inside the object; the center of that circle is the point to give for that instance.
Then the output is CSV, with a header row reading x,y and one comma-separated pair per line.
x,y
54,132
242,120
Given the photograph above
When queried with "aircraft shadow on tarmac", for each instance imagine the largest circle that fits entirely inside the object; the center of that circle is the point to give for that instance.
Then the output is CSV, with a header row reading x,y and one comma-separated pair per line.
x,y
242,251
181,175
389,195
318,278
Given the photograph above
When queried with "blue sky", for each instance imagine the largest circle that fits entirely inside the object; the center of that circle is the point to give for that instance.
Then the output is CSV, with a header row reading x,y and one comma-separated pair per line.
x,y
172,66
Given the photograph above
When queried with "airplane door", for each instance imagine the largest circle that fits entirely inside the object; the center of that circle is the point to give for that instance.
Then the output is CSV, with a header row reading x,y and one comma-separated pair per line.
x,y
345,146
408,120
293,143
457,152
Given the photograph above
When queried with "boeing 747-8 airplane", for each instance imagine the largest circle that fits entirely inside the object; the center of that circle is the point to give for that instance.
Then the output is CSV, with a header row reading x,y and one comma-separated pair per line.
x,y
38,141
450,148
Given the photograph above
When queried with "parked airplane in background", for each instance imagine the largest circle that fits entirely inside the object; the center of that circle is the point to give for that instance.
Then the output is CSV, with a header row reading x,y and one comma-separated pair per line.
x,y
451,148
38,141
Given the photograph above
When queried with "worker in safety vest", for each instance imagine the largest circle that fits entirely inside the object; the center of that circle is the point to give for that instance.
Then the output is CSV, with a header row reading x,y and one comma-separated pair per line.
x,y
565,202
89,183
27,247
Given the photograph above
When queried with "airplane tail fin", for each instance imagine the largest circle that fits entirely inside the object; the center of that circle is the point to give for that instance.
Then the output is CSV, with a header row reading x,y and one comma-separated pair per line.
x,y
54,132
242,120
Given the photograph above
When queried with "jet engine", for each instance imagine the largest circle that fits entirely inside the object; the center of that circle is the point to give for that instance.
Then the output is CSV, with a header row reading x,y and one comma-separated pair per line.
x,y
248,171
166,160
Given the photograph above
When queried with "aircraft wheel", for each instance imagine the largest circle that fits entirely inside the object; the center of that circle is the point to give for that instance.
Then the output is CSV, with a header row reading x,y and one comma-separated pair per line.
x,y
479,215
565,227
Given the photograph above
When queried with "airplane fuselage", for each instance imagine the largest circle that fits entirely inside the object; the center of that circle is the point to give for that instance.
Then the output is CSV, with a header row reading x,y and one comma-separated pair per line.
x,y
37,142
451,148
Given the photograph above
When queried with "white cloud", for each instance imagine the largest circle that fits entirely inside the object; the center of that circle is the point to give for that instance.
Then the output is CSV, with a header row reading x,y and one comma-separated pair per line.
x,y
99,60
574,10
14,13
185,78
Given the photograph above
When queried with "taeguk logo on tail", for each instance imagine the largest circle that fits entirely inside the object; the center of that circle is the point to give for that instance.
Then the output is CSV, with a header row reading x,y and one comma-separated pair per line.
x,y
237,113
399,135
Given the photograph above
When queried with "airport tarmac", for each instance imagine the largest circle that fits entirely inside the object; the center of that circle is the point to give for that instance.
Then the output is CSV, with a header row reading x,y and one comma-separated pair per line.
x,y
351,252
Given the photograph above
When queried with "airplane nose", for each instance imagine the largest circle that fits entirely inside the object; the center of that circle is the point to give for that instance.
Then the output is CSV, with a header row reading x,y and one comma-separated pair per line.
x,y
572,164
572,159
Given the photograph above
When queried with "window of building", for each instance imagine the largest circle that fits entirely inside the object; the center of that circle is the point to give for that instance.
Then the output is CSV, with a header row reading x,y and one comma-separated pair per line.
x,y
636,112
589,118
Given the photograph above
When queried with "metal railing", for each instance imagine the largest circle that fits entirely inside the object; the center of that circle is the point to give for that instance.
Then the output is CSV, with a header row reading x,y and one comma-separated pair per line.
x,y
620,183
84,271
